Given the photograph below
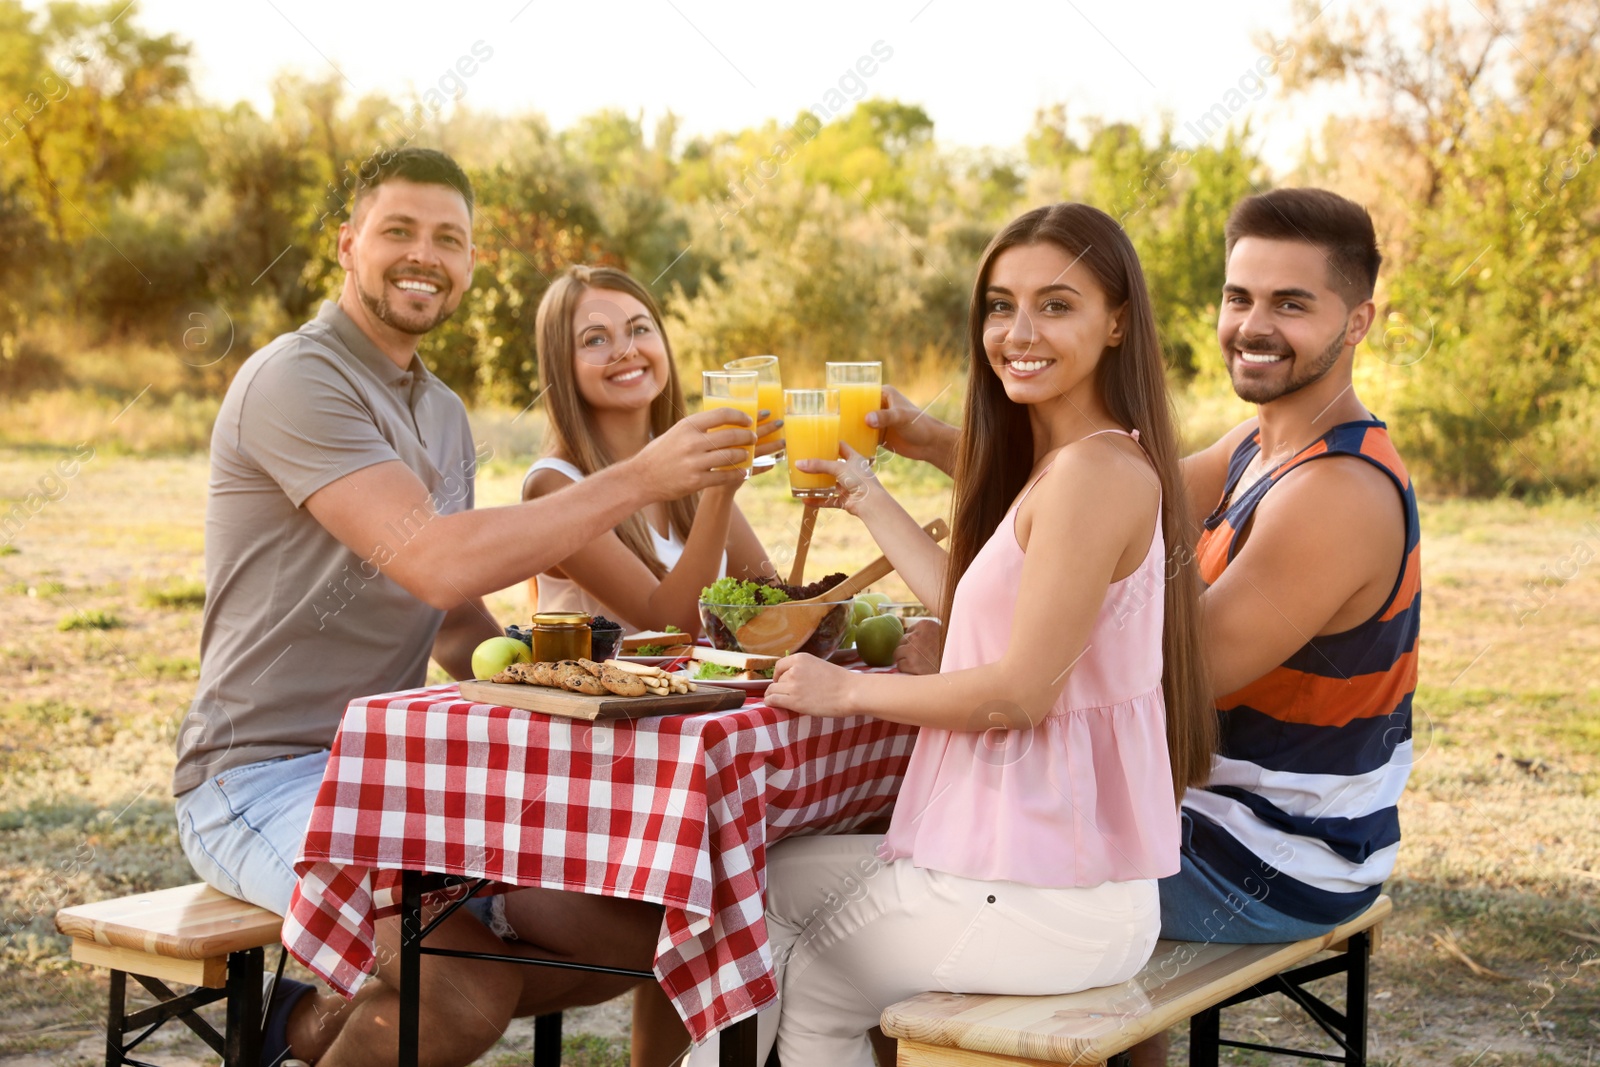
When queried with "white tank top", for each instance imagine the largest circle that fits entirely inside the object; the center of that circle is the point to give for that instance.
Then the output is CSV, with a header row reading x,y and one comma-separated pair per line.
x,y
563,594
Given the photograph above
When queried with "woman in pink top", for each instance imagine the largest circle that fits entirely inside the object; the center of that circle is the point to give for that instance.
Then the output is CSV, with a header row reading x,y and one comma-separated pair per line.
x,y
1070,711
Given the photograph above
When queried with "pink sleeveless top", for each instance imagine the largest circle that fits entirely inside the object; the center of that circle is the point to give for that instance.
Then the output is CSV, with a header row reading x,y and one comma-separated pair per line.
x,y
1086,796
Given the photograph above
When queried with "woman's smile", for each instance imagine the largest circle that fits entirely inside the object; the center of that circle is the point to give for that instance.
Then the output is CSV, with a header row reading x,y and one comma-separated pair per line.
x,y
1029,366
631,375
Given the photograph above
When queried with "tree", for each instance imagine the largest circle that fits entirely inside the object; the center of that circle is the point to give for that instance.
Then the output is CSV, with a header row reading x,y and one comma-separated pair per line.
x,y
101,104
1485,343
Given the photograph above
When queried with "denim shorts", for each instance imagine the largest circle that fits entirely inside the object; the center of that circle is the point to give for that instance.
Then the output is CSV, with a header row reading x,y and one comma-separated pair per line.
x,y
1198,905
243,829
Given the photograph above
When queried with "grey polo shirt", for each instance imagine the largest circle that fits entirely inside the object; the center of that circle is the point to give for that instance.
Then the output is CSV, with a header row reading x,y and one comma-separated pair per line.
x,y
295,624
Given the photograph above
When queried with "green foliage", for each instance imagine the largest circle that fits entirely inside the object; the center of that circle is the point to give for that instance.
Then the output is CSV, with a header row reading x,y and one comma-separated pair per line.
x,y
175,596
1485,201
182,668
90,620
139,216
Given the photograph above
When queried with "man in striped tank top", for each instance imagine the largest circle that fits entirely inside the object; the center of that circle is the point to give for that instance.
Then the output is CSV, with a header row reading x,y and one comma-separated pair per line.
x,y
1310,558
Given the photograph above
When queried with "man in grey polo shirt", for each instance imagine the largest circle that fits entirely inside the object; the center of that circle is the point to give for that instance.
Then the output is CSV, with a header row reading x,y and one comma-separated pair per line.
x,y
342,550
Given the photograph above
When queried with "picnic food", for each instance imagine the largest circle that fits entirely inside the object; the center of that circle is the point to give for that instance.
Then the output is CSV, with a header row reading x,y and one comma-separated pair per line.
x,y
651,642
586,676
715,663
605,637
562,635
877,638
729,603
496,654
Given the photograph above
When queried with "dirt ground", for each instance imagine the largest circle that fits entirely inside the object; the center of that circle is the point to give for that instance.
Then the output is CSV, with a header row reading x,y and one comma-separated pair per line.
x,y
100,591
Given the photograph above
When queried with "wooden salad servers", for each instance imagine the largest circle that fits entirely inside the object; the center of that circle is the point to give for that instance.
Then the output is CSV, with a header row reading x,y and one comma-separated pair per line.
x,y
808,523
777,633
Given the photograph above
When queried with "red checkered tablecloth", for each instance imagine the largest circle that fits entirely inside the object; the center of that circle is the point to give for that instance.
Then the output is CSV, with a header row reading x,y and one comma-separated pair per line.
x,y
677,810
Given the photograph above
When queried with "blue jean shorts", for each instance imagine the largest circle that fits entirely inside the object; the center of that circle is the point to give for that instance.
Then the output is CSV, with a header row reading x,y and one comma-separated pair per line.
x,y
243,829
1198,905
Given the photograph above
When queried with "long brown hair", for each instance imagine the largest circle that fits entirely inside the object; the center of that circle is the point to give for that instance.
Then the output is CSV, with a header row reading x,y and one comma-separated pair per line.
x,y
571,430
996,456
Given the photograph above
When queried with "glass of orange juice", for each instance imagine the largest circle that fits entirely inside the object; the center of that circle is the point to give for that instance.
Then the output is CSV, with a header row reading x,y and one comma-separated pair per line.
x,y
811,422
860,388
731,389
769,398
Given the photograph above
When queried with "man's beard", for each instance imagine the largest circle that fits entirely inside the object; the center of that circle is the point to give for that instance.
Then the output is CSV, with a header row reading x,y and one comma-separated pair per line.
x,y
1259,392
414,323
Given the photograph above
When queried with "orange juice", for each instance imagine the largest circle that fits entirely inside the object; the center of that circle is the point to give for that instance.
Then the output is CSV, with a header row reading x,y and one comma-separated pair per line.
x,y
771,399
811,437
744,404
855,400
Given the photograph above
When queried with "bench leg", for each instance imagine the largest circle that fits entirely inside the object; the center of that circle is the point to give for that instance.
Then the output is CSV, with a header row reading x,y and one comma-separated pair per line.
x,y
114,1017
1205,1030
1355,999
242,1042
547,1040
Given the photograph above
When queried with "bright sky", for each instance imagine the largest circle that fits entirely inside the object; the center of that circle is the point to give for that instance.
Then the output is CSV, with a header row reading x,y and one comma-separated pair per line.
x,y
980,70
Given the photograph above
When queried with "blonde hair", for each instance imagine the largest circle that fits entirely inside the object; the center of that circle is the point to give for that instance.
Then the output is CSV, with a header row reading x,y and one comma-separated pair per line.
x,y
571,429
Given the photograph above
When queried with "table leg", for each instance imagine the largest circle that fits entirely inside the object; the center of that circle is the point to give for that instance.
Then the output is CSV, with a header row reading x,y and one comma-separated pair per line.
x,y
410,964
738,1044
547,1040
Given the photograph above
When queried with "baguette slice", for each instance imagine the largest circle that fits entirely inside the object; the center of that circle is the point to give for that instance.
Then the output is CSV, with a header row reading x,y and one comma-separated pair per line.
x,y
650,637
743,661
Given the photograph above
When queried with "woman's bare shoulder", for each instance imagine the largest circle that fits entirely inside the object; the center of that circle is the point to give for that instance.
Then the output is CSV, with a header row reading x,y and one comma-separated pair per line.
x,y
545,480
1106,471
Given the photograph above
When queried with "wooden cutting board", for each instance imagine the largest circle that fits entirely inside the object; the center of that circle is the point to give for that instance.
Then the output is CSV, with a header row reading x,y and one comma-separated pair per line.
x,y
580,706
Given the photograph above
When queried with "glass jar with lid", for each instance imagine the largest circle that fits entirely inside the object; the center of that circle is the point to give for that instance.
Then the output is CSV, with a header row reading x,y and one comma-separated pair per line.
x,y
559,635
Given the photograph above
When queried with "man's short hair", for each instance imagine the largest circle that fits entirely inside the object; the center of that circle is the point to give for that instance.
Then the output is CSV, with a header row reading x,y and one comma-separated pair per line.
x,y
1341,228
425,166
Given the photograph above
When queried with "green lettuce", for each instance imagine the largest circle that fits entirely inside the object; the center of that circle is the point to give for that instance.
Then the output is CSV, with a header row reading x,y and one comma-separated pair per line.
x,y
710,672
736,601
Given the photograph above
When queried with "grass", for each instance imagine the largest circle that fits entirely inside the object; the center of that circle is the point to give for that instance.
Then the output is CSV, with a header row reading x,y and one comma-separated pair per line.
x,y
90,620
175,596
1501,817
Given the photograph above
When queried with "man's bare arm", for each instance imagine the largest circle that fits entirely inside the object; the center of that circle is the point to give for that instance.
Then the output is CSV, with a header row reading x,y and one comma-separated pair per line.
x,y
1205,473
1324,551
383,514
465,626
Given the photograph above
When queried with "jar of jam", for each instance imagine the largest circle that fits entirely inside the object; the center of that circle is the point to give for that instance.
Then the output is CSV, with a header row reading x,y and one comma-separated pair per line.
x,y
559,635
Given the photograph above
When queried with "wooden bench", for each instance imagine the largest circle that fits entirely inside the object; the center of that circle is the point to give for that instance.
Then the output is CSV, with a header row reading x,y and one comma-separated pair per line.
x,y
193,935
1183,980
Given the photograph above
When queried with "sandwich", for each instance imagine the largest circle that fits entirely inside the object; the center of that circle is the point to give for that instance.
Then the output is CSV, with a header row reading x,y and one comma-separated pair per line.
x,y
714,665
651,642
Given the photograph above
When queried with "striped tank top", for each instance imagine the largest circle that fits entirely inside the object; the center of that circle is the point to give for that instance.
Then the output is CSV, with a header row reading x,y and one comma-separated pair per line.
x,y
1314,754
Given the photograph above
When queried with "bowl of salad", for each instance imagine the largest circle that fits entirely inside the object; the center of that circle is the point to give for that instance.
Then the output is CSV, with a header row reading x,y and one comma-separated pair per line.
x,y
728,604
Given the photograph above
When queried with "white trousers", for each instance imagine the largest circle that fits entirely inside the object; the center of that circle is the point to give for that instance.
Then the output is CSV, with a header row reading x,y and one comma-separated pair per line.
x,y
852,935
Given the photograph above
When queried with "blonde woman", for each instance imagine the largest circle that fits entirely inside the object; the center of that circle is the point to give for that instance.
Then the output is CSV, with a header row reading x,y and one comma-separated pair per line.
x,y
610,387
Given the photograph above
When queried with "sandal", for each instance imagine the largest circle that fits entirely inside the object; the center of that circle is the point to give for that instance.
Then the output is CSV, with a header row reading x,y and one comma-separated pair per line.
x,y
281,996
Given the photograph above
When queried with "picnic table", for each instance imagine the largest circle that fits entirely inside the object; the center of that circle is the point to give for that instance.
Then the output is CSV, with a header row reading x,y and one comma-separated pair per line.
x,y
677,810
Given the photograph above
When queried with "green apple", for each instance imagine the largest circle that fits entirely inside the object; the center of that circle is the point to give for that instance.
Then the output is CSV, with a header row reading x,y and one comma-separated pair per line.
x,y
877,600
861,610
498,653
878,637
